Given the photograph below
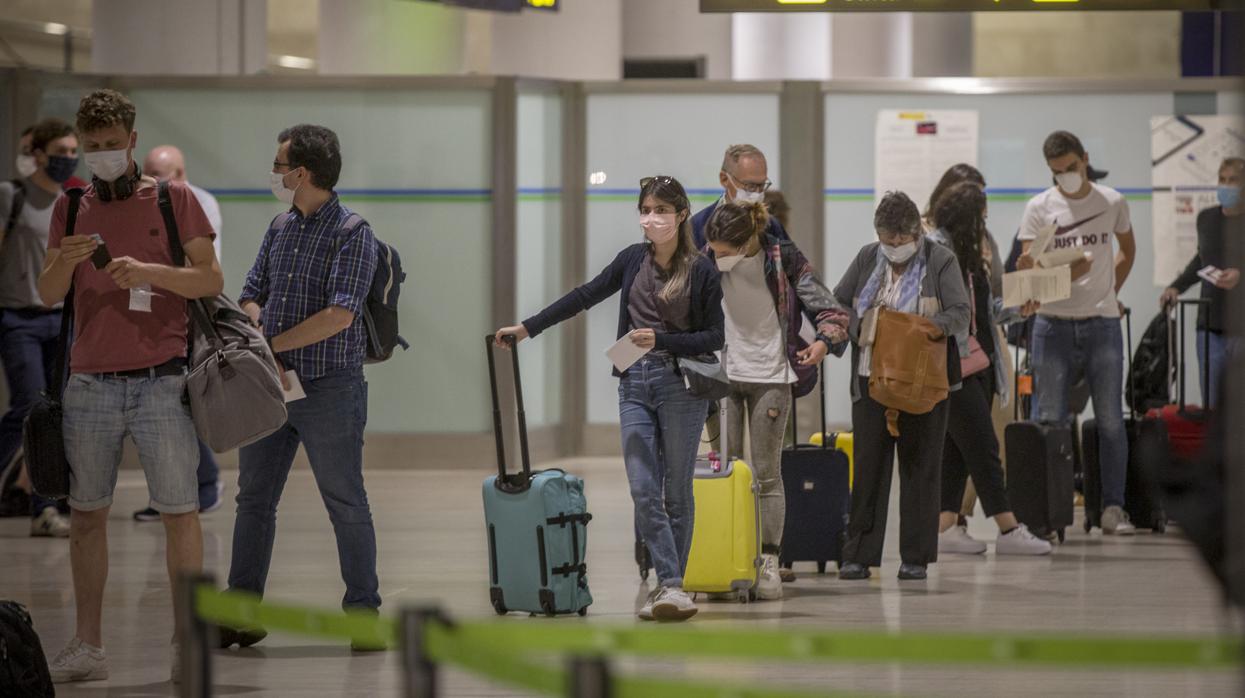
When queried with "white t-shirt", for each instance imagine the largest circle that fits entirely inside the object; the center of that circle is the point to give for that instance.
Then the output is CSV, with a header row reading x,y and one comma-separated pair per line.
x,y
755,352
1089,224
212,210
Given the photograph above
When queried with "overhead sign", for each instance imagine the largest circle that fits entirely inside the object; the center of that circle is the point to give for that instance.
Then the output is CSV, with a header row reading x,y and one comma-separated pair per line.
x,y
960,5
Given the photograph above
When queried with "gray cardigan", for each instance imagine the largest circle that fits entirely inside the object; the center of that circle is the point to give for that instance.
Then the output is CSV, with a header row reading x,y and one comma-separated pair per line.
x,y
944,298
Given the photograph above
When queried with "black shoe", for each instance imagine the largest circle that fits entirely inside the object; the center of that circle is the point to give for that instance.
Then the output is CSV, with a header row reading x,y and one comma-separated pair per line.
x,y
241,638
13,503
907,571
854,570
365,645
146,515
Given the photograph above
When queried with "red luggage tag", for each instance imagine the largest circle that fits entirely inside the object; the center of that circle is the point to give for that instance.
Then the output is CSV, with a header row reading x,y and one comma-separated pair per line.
x,y
715,463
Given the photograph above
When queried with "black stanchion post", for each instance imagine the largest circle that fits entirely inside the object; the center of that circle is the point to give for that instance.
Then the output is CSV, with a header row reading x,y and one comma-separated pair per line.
x,y
589,677
194,638
419,672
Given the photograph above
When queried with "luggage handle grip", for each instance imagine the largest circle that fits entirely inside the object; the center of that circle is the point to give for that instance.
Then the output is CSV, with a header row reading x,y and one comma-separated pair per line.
x,y
498,433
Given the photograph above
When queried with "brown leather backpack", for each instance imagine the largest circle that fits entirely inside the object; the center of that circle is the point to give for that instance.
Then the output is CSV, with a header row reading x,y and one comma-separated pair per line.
x,y
909,371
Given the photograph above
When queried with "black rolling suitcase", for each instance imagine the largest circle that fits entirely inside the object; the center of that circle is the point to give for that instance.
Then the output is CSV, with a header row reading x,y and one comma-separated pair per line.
x,y
1145,435
816,482
1040,461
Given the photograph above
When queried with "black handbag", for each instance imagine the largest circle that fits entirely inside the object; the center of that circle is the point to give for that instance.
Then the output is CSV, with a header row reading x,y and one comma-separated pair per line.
x,y
43,436
705,376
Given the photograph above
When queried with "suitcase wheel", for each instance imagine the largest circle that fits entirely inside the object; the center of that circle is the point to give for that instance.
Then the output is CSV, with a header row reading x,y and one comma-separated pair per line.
x,y
1160,526
583,611
821,567
1060,534
1088,526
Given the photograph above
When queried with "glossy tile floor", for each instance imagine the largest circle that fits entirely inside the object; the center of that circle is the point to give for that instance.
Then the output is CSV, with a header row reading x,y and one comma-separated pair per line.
x,y
431,546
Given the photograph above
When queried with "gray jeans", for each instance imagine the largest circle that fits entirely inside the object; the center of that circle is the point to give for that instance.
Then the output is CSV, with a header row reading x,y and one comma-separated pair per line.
x,y
767,406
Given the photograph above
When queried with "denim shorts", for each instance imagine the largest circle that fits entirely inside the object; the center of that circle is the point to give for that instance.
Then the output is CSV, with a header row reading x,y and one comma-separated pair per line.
x,y
101,411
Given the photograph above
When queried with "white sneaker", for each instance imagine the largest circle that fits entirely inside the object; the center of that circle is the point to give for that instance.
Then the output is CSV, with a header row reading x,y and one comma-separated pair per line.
x,y
769,586
672,604
175,672
1115,521
49,524
79,662
646,611
1020,542
955,540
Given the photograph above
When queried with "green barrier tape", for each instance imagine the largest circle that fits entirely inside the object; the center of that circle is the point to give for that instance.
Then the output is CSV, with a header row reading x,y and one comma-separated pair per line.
x,y
863,646
448,646
242,610
237,609
629,687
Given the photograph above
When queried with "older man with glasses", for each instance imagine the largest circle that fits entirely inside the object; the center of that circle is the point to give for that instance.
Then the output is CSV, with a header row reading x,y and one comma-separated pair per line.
x,y
744,178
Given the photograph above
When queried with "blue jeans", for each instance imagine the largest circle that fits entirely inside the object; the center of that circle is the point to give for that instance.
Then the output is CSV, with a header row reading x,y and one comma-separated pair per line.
x,y
28,351
1221,350
101,411
329,422
661,425
1065,349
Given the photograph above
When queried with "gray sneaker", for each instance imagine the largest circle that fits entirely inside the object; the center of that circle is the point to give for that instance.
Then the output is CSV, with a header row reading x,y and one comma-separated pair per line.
x,y
1115,521
79,662
49,524
646,611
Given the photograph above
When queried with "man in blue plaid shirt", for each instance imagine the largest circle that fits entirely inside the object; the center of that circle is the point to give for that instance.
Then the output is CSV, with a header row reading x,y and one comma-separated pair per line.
x,y
307,290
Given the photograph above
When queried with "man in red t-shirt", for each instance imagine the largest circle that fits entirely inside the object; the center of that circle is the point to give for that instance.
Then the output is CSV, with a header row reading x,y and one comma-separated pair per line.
x,y
128,361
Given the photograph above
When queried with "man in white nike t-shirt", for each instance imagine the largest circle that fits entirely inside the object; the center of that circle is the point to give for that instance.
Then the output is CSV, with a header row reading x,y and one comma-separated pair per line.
x,y
1081,335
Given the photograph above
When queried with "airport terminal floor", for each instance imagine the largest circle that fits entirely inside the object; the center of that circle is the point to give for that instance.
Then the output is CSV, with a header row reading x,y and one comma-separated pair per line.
x,y
432,546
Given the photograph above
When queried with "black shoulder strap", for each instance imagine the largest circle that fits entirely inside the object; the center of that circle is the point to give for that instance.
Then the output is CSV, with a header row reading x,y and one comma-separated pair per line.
x,y
65,341
353,221
15,206
170,224
198,314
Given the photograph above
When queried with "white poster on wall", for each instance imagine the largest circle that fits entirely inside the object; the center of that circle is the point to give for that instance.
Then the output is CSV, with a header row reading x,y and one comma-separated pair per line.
x,y
913,148
1185,154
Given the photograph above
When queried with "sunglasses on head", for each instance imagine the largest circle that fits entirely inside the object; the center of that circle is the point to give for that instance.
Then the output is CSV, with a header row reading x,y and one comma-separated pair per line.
x,y
663,179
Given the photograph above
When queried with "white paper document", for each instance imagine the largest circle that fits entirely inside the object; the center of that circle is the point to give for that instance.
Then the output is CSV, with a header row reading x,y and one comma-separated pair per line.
x,y
625,352
296,387
1210,273
1041,285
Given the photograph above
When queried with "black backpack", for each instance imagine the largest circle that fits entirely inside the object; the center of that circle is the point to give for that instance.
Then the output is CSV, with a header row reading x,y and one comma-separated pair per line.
x,y
23,667
1150,378
380,312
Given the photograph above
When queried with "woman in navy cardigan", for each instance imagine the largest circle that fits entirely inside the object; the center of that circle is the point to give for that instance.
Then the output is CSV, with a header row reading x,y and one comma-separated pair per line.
x,y
671,304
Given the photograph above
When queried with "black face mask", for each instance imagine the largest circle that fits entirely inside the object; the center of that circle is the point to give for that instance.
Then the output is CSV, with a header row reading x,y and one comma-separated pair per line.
x,y
60,168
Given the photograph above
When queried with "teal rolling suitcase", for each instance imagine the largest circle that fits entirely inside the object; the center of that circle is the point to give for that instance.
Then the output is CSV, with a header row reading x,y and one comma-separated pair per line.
x,y
536,524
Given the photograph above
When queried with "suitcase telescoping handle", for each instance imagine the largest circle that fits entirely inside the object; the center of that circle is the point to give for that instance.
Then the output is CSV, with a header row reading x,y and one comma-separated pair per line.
x,y
518,399
1128,374
795,424
1205,353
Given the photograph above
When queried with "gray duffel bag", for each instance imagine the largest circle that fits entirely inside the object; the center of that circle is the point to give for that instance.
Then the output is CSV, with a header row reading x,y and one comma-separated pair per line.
x,y
234,388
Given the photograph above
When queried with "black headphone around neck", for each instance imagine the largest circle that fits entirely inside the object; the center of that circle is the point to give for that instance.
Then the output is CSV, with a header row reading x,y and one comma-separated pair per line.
x,y
119,189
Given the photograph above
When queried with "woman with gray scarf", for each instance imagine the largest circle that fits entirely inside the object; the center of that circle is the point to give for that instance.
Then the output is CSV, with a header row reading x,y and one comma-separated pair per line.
x,y
906,272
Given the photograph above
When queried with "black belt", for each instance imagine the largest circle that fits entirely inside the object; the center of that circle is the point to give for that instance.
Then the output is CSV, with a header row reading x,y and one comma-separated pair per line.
x,y
172,367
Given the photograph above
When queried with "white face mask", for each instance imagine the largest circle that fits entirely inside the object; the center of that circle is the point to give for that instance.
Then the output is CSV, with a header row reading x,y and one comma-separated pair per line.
x,y
726,264
749,197
901,254
276,180
26,165
108,165
659,227
1069,182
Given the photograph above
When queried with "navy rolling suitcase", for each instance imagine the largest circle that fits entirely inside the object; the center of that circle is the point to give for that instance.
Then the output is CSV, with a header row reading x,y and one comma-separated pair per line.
x,y
536,524
1146,436
816,482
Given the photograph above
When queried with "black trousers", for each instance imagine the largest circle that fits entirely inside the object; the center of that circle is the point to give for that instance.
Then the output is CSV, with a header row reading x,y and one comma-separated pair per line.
x,y
972,448
920,445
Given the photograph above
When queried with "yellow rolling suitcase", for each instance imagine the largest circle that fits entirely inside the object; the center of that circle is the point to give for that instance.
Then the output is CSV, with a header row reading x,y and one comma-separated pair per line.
x,y
726,538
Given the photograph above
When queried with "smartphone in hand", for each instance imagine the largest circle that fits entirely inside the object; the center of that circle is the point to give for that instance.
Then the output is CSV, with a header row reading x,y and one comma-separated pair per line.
x,y
100,258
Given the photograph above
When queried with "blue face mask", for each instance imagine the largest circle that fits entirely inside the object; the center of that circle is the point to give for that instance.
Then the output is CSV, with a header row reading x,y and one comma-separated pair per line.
x,y
60,168
1229,196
